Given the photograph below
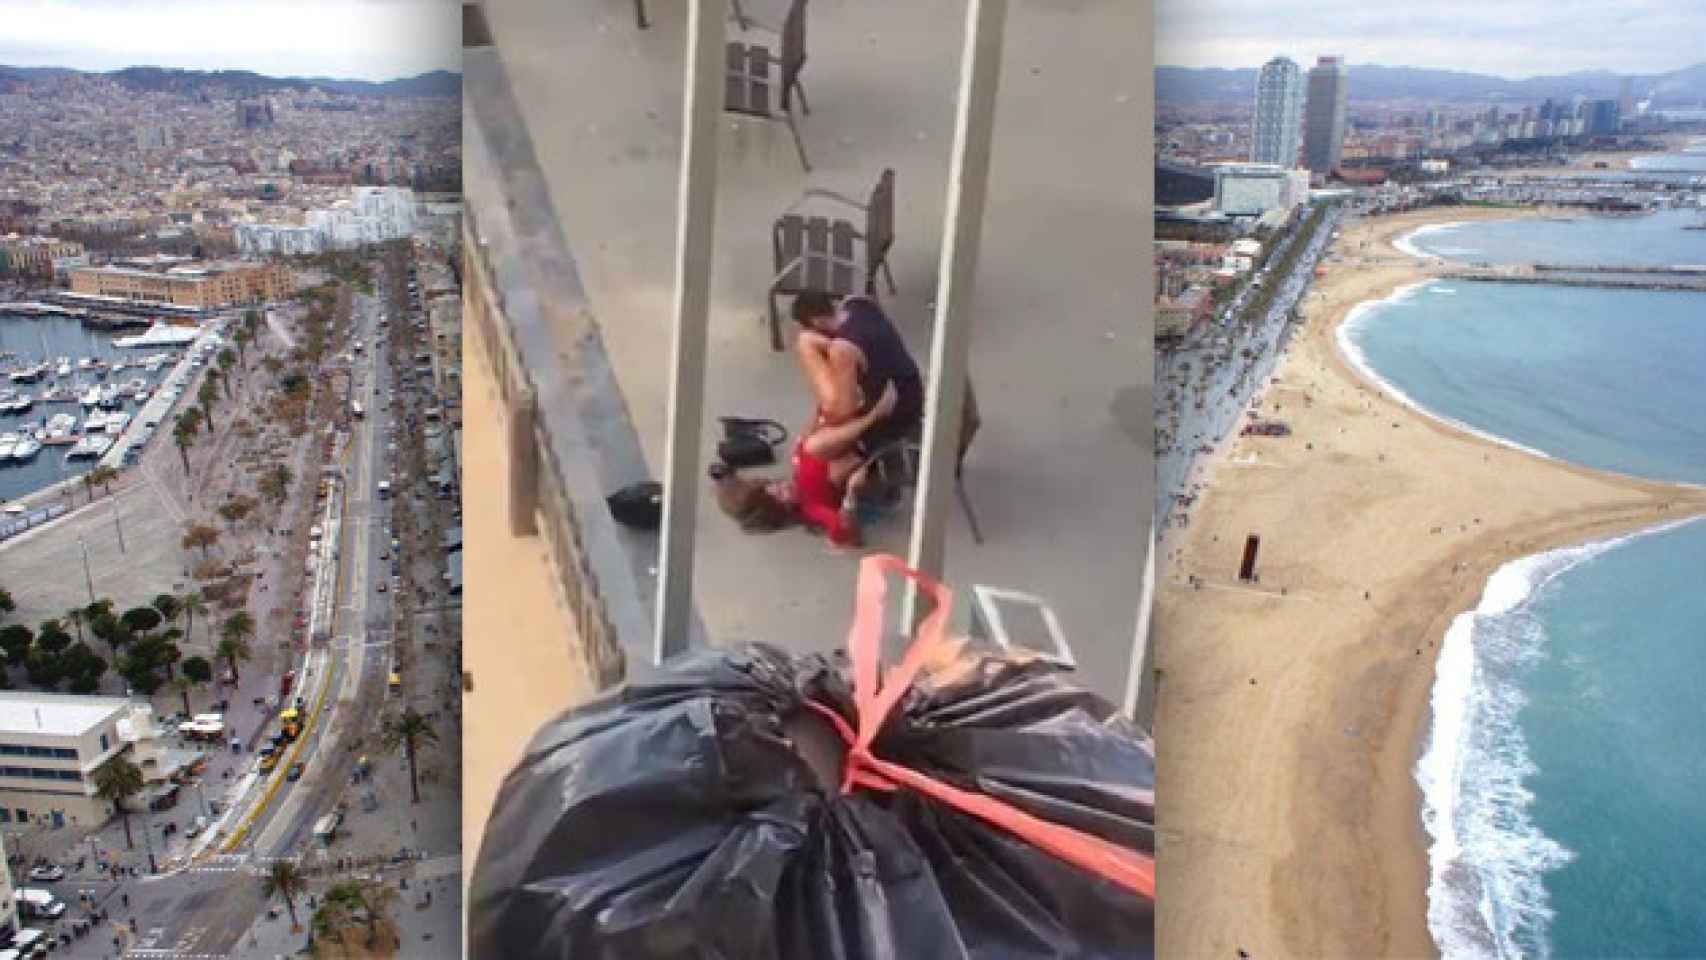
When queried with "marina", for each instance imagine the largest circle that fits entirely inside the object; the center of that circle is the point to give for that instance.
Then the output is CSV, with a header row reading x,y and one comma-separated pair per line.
x,y
70,392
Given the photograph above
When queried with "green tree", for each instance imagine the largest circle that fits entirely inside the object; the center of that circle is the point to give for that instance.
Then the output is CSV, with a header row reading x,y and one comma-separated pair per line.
x,y
6,604
44,669
141,619
116,781
408,732
84,668
285,881
52,637
16,640
169,607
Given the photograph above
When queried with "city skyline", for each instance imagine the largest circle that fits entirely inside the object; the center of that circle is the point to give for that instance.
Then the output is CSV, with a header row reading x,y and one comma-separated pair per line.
x,y
1514,40
377,40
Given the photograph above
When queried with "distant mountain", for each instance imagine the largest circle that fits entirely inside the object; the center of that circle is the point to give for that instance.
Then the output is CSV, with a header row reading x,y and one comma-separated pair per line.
x,y
244,83
1372,82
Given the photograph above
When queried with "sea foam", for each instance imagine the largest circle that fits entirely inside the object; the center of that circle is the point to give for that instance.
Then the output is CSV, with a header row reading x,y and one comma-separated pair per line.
x,y
1487,860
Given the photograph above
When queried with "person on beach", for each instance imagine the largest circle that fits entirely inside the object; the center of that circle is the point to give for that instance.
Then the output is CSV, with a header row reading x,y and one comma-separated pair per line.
x,y
828,469
849,350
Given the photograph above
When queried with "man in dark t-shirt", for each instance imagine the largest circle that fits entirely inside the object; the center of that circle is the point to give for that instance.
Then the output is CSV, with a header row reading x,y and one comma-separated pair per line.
x,y
849,353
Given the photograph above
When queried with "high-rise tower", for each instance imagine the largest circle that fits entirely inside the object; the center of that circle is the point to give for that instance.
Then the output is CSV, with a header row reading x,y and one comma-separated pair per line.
x,y
1279,113
1324,116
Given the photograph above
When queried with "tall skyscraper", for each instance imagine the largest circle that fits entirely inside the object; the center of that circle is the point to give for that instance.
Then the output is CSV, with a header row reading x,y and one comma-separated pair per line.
x,y
1279,113
1324,116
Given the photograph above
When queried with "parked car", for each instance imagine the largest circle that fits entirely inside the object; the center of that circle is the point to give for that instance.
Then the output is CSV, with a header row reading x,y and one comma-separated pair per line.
x,y
295,773
48,873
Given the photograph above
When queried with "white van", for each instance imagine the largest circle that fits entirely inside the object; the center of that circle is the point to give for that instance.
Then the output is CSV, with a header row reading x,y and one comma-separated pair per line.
x,y
34,902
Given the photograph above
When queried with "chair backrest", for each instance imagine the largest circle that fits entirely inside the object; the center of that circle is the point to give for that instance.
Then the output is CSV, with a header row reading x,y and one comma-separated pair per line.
x,y
793,50
879,218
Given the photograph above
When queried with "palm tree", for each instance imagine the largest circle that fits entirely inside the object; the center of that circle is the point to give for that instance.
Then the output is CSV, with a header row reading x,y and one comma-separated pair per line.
x,y
231,650
74,616
207,396
191,604
117,781
409,731
183,434
284,880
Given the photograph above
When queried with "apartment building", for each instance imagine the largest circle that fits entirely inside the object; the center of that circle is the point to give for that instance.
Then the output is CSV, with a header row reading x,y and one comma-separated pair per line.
x,y
39,256
203,285
52,744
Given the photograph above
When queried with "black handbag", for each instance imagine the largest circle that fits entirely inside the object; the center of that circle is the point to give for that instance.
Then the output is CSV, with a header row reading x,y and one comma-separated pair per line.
x,y
749,443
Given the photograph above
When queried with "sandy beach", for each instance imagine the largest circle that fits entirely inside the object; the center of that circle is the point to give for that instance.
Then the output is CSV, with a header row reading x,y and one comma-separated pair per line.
x,y
1291,711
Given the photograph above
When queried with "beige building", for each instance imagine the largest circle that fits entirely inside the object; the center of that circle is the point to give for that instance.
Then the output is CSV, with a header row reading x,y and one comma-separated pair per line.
x,y
36,256
190,285
52,744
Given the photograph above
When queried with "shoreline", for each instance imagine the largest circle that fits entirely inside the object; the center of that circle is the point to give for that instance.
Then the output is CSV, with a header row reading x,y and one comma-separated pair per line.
x,y
1334,656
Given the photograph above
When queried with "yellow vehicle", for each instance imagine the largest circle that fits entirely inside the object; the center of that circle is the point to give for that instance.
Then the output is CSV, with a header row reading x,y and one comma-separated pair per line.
x,y
269,762
290,722
396,682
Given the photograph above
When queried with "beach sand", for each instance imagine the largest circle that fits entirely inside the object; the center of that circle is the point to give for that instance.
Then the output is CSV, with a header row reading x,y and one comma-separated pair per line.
x,y
1290,711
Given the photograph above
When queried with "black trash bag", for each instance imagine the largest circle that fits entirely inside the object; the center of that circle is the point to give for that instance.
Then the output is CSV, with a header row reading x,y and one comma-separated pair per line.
x,y
677,817
638,505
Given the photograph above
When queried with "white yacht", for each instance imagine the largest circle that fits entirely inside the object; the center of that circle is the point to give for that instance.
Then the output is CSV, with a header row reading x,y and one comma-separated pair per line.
x,y
91,397
8,443
116,422
160,334
61,425
64,369
26,449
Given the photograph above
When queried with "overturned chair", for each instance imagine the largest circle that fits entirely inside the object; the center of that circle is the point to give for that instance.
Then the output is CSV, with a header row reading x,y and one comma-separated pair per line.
x,y
830,254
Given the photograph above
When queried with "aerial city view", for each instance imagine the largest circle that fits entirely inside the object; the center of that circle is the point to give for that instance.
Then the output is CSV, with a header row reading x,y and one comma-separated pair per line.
x,y
1430,474
229,438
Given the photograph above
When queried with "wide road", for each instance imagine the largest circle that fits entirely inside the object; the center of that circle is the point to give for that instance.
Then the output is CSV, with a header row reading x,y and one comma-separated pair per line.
x,y
206,909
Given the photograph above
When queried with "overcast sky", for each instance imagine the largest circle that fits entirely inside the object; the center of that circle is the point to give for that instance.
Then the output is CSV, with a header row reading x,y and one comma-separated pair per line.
x,y
1507,38
342,39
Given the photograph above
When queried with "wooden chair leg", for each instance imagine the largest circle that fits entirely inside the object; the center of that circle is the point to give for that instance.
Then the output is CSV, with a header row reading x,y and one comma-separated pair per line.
x,y
800,89
888,274
740,16
799,144
640,13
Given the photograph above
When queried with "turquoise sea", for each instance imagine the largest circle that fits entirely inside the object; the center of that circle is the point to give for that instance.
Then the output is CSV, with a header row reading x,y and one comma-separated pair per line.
x,y
1564,775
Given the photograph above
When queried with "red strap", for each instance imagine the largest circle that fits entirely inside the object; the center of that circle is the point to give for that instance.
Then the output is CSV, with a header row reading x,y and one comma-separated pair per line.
x,y
1128,868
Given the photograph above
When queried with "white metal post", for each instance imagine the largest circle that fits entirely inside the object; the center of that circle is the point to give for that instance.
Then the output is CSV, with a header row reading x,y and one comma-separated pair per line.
x,y
696,213
968,184
1138,696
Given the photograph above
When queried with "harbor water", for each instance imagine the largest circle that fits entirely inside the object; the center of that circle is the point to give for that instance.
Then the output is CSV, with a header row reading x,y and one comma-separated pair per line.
x,y
26,340
1560,778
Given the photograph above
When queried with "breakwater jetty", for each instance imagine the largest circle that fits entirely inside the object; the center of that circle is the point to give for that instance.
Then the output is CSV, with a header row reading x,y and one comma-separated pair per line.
x,y
1618,276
